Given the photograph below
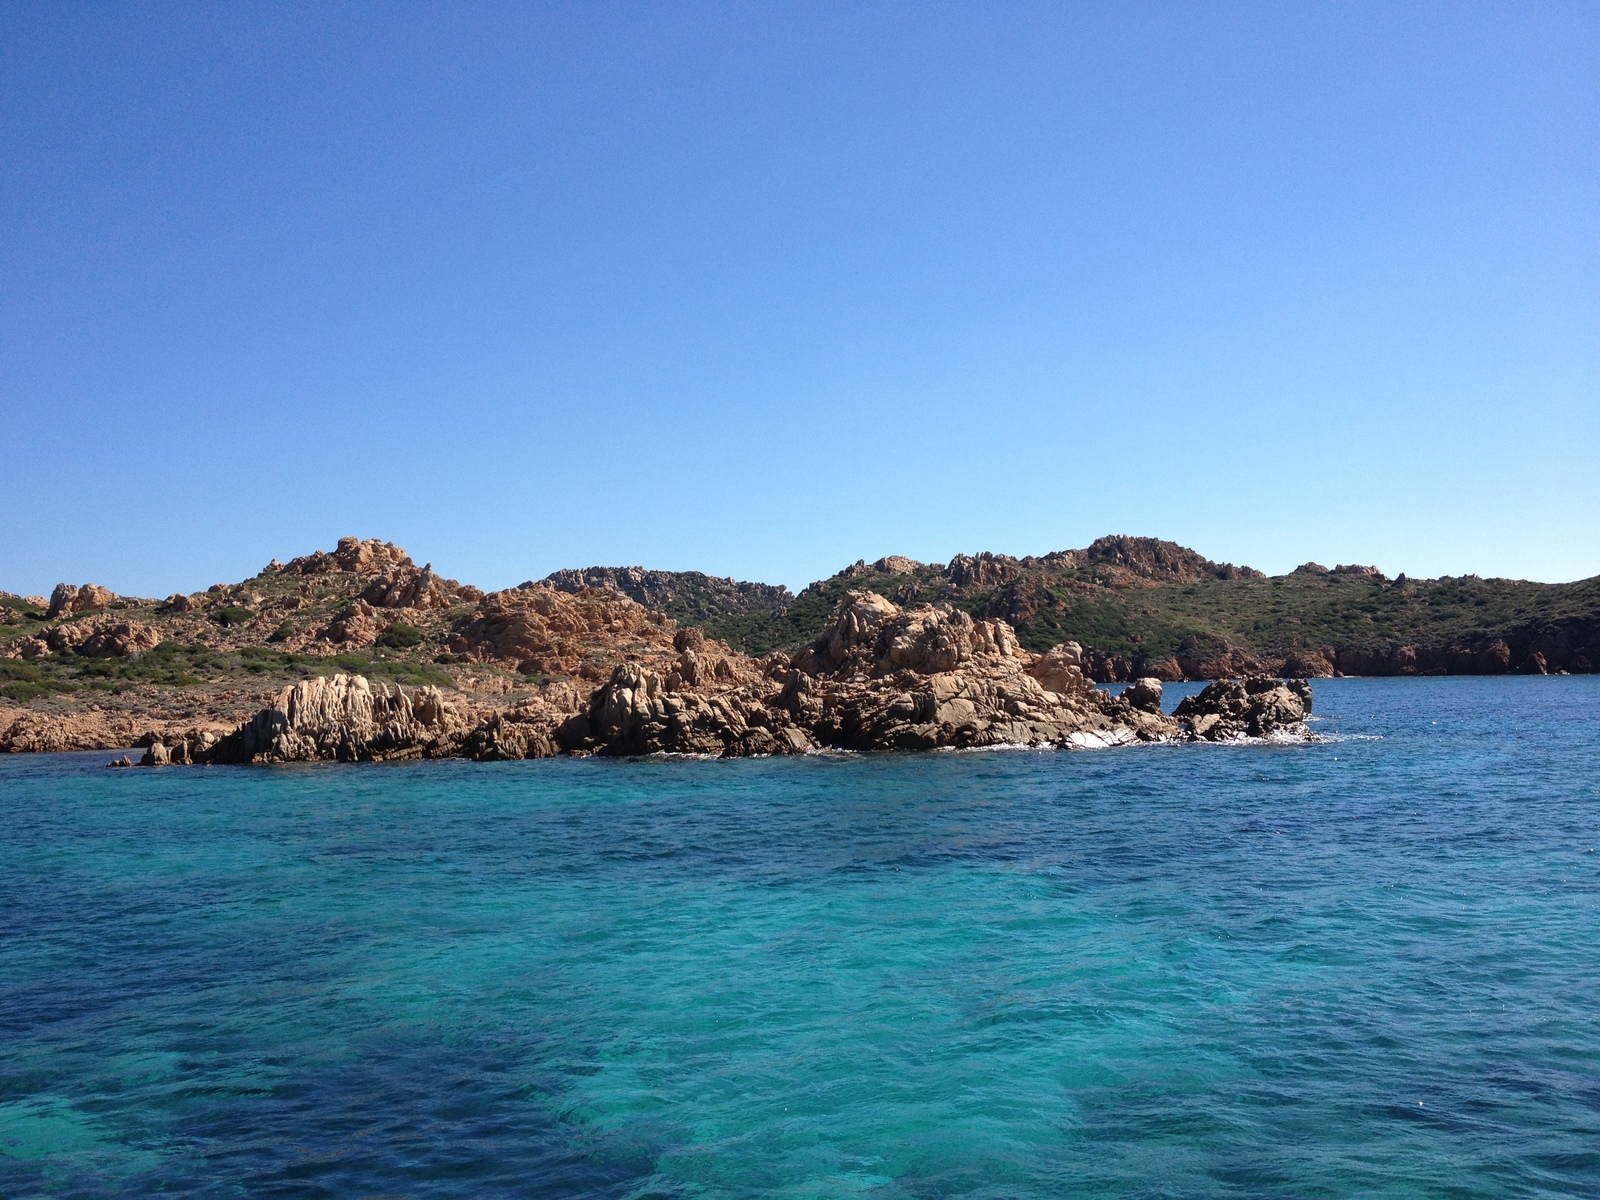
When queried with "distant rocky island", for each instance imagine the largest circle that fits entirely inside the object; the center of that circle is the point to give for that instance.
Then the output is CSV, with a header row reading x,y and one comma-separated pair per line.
x,y
360,653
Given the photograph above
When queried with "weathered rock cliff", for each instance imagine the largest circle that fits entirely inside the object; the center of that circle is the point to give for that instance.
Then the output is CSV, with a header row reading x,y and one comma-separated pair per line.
x,y
878,678
66,599
340,718
540,631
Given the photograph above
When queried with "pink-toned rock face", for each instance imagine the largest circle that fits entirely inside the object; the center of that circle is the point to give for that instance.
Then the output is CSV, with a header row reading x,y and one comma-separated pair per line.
x,y
897,564
67,600
935,638
356,626
409,587
870,635
345,718
1060,669
389,578
851,640
983,570
102,637
119,640
370,557
541,631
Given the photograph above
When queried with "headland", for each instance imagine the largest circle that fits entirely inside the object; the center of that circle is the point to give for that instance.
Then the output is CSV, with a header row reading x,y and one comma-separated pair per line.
x,y
359,653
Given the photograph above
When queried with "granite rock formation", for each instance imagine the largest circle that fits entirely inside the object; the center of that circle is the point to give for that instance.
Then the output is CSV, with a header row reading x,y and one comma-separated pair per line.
x,y
67,600
1143,694
879,677
95,637
338,718
1257,707
689,597
358,625
880,654
538,630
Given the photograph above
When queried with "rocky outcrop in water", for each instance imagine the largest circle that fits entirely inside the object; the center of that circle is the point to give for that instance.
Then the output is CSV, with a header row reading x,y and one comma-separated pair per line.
x,y
639,711
340,718
879,677
1257,707
1143,694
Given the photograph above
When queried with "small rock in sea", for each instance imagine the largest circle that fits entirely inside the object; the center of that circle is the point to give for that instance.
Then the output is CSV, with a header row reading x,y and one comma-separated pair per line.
x,y
124,761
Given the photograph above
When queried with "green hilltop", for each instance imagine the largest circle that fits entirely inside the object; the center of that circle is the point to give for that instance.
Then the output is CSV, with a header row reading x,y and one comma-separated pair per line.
x,y
1148,605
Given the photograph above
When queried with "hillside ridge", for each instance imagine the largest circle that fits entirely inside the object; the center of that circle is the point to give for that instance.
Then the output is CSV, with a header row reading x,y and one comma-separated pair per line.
x,y
1144,606
86,665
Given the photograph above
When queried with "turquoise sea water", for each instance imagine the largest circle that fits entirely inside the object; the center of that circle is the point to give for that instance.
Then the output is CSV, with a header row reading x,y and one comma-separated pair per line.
x,y
1369,967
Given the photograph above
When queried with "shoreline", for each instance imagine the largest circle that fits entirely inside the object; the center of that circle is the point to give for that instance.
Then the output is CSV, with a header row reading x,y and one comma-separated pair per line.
x,y
136,745
895,654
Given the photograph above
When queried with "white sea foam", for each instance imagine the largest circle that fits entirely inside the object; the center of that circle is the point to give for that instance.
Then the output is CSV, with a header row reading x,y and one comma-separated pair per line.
x,y
1102,739
997,746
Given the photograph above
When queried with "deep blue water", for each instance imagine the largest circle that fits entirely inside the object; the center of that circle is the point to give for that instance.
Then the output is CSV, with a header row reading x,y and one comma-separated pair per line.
x,y
1369,967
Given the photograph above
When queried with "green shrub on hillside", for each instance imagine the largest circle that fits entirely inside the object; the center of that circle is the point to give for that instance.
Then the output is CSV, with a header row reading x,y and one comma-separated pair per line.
x,y
232,614
401,636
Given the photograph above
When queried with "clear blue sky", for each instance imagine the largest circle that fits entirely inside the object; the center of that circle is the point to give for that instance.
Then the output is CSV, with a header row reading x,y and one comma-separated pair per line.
x,y
760,289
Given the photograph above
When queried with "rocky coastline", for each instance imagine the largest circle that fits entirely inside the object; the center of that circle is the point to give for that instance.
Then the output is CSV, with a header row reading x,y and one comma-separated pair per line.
x,y
359,653
878,678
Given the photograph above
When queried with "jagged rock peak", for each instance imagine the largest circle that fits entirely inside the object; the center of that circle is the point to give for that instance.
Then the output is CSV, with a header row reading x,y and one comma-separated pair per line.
x,y
870,635
983,570
67,600
387,579
539,630
897,564
1153,558
370,557
1124,559
342,718
668,589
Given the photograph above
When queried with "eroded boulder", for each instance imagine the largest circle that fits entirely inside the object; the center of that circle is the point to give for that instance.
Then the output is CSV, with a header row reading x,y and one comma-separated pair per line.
x,y
1144,694
355,626
67,600
101,637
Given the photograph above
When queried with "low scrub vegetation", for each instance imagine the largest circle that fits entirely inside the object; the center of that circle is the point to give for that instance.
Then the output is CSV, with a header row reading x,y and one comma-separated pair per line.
x,y
400,636
180,664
